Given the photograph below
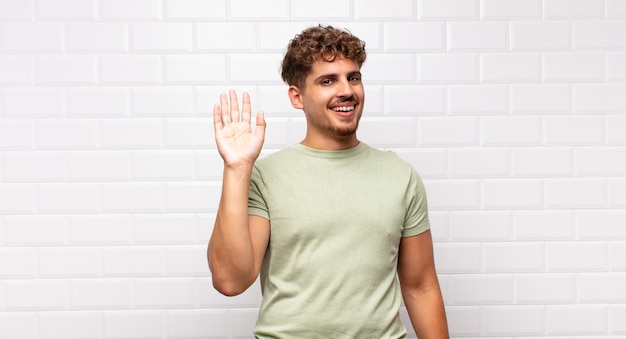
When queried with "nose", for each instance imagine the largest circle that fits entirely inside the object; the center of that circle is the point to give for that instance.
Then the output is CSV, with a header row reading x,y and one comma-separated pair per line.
x,y
344,89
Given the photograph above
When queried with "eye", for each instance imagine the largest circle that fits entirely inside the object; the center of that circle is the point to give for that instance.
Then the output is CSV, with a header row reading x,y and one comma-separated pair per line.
x,y
326,82
354,78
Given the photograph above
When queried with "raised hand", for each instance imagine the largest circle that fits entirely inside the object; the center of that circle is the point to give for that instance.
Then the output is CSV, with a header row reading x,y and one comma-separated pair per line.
x,y
236,142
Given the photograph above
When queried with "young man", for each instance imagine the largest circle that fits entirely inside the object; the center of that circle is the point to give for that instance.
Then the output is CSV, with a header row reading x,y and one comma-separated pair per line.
x,y
338,230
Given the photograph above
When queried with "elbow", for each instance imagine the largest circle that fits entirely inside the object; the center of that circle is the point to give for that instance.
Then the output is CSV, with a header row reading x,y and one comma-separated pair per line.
x,y
228,289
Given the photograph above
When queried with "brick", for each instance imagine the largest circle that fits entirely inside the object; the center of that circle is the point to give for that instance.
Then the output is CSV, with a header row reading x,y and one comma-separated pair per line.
x,y
478,36
578,130
600,161
100,294
16,134
507,67
161,36
615,66
511,9
429,163
507,131
453,194
574,67
90,102
605,225
195,69
573,257
399,68
243,37
16,70
183,324
65,9
616,315
513,257
617,255
485,99
96,37
133,196
480,226
573,9
542,162
163,165
34,166
99,229
130,9
540,35
541,99
441,132
187,261
17,263
458,258
34,230
477,163
17,198
195,9
18,325
599,35
135,261
170,292
35,295
602,288
133,324
448,68
130,69
512,194
31,37
189,132
250,9
14,10
209,165
44,102
425,36
192,197
465,321
132,133
575,193
440,227
156,101
253,68
388,132
308,10
616,9
544,225
67,134
514,320
68,262
576,320
617,192
448,10
77,197
100,165
545,288
70,325
599,98
483,289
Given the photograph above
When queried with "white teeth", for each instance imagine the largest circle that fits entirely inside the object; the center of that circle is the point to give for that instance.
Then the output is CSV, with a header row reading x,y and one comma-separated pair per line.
x,y
344,109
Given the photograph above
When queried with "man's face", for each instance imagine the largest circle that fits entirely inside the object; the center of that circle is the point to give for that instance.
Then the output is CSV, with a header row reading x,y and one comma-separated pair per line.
x,y
332,99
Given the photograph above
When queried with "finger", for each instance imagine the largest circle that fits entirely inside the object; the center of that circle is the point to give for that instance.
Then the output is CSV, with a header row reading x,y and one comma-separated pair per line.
x,y
245,108
234,106
259,131
217,117
224,109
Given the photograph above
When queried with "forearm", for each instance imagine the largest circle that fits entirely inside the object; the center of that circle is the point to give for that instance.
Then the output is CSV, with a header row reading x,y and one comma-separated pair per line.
x,y
230,252
427,313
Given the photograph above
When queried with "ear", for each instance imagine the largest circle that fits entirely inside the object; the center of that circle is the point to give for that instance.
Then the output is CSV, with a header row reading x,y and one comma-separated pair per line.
x,y
295,96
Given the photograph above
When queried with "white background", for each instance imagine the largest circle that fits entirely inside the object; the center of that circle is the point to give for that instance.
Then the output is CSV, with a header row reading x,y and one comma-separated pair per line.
x,y
513,111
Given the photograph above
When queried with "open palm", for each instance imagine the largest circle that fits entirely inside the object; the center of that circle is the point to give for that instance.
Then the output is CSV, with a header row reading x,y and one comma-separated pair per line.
x,y
236,142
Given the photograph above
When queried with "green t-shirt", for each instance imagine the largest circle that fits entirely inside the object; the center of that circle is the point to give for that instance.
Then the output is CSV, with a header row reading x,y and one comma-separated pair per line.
x,y
336,218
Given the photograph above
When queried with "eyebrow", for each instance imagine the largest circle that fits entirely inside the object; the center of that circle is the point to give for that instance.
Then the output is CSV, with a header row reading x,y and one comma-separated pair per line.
x,y
335,75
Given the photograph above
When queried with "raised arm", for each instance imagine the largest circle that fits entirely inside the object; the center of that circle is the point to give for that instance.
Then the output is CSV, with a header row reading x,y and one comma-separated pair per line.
x,y
420,287
238,242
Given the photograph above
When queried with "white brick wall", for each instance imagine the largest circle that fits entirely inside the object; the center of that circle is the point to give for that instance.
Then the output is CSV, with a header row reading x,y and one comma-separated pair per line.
x,y
513,111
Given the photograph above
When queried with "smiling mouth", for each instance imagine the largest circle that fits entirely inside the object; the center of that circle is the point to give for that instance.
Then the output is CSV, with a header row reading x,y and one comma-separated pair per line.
x,y
343,109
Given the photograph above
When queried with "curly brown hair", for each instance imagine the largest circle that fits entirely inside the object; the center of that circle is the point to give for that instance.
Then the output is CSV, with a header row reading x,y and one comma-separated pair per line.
x,y
319,43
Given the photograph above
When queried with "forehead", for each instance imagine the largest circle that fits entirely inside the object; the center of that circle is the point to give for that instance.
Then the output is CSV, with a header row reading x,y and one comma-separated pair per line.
x,y
339,66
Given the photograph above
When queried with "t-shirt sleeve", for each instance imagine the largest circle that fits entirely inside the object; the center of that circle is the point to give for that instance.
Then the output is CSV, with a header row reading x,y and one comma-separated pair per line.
x,y
416,220
256,203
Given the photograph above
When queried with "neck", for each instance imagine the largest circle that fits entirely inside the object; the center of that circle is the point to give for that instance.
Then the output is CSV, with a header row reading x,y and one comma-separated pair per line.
x,y
331,144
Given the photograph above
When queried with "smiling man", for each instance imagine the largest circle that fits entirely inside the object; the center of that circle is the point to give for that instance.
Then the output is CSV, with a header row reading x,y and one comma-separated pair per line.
x,y
337,230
